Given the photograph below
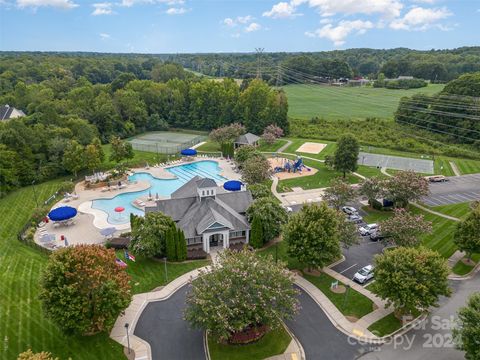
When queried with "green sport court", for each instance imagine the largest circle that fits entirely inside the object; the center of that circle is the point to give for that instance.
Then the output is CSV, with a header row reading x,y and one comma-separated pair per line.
x,y
165,142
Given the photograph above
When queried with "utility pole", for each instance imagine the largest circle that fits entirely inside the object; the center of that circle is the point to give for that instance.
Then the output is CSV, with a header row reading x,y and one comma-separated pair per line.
x,y
259,52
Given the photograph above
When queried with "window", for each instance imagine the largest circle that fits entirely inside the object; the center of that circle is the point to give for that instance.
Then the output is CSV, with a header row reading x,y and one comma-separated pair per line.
x,y
236,234
203,192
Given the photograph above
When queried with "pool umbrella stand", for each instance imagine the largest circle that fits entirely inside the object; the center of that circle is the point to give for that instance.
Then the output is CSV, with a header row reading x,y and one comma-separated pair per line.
x,y
188,152
119,210
62,213
233,185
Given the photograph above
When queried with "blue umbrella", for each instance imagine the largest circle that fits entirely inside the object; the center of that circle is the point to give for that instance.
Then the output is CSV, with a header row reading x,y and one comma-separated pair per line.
x,y
62,213
233,185
189,152
108,231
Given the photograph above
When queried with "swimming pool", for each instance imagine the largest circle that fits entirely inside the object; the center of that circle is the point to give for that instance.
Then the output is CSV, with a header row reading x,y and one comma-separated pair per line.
x,y
164,187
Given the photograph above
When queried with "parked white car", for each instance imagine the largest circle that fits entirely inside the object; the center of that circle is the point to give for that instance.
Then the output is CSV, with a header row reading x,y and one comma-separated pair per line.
x,y
349,210
354,218
364,274
367,229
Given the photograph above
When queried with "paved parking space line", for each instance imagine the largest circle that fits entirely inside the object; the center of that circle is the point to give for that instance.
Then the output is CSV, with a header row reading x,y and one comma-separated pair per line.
x,y
341,272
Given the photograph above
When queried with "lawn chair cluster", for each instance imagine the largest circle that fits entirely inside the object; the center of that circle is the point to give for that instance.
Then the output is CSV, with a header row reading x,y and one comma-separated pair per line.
x,y
68,197
97,177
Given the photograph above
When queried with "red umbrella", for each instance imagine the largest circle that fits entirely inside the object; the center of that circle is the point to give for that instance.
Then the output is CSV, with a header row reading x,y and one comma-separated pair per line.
x,y
119,209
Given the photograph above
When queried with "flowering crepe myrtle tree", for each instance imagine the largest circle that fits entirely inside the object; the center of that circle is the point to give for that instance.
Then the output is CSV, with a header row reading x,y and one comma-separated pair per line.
x,y
241,291
404,187
372,188
271,133
256,169
405,228
227,134
339,193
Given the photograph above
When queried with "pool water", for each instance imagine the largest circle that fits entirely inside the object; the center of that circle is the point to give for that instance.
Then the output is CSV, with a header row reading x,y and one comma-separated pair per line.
x,y
164,187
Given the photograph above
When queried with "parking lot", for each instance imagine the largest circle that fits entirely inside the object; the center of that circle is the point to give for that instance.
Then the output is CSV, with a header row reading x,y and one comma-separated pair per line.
x,y
457,190
359,255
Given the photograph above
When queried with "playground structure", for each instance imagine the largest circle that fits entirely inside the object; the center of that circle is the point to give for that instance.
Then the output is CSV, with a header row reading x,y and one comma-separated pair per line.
x,y
291,166
287,169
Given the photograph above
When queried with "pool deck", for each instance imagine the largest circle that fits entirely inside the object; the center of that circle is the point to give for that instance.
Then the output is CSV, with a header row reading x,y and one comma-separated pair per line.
x,y
89,221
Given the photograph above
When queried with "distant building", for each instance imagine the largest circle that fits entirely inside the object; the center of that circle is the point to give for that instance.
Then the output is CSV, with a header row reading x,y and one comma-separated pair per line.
x,y
405,78
247,139
8,112
208,215
359,82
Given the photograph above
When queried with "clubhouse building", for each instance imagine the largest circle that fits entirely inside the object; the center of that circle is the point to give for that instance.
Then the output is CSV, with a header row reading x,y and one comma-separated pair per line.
x,y
208,215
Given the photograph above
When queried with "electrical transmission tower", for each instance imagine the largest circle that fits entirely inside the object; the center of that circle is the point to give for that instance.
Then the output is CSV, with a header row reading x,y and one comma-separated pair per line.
x,y
259,52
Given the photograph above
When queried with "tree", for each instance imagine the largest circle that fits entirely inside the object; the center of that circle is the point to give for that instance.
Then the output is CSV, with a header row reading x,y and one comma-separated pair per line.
x,y
256,233
171,239
241,292
83,290
149,234
30,355
404,187
347,231
73,157
256,170
411,278
405,228
339,193
467,233
259,191
467,334
181,246
121,150
271,216
227,133
312,236
372,188
244,153
272,133
98,145
92,157
346,155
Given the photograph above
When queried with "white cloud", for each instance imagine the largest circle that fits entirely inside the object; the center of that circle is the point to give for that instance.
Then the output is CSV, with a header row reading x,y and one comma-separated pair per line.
x,y
238,20
282,10
104,8
419,18
62,4
386,8
104,36
338,34
253,27
129,3
176,11
326,21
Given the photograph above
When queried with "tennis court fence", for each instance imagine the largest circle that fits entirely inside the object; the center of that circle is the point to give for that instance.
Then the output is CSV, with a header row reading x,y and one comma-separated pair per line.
x,y
164,146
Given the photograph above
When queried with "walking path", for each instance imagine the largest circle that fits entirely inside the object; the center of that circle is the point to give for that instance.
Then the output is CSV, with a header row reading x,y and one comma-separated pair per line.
x,y
435,212
285,146
455,169
383,170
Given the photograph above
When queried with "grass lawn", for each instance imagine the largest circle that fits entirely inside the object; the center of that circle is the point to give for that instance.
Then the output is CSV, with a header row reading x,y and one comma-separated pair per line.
x,y
307,101
209,146
467,166
460,210
441,238
147,274
140,158
273,343
264,147
296,143
279,251
23,325
461,268
357,305
319,180
370,171
385,325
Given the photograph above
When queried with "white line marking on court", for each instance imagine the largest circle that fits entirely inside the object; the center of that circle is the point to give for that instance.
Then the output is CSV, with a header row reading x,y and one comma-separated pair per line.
x,y
341,272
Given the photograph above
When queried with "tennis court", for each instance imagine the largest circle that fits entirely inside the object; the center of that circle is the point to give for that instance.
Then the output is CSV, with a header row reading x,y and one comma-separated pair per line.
x,y
396,162
165,142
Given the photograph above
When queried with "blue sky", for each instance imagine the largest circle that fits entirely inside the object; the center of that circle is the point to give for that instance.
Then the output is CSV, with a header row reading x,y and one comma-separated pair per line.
x,y
170,26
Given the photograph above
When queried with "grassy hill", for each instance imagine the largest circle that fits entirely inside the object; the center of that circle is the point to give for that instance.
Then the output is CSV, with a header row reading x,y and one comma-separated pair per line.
x,y
307,101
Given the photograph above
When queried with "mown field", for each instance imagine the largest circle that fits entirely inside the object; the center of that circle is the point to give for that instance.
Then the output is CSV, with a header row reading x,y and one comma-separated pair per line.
x,y
307,101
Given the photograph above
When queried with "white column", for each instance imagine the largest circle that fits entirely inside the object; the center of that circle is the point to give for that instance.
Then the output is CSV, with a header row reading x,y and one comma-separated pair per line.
x,y
206,243
226,240
247,236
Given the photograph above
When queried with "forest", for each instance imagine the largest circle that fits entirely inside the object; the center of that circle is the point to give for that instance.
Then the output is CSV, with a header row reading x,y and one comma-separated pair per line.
x,y
433,65
79,100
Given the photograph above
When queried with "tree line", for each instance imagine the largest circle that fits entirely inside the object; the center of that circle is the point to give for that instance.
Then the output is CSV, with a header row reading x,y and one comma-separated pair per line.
x,y
454,112
433,65
63,104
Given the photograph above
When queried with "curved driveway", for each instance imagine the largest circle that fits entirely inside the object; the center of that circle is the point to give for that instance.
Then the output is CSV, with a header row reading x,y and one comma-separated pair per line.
x,y
161,324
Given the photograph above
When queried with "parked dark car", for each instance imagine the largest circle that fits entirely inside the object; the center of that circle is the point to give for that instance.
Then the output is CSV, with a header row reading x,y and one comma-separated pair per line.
x,y
377,236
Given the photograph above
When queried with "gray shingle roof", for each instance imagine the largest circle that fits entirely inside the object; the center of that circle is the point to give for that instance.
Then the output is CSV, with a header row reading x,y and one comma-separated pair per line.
x,y
206,183
194,216
247,139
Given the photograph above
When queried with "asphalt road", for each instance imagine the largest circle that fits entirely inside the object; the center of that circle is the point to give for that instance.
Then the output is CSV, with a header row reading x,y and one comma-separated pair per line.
x,y
457,190
162,326
433,341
